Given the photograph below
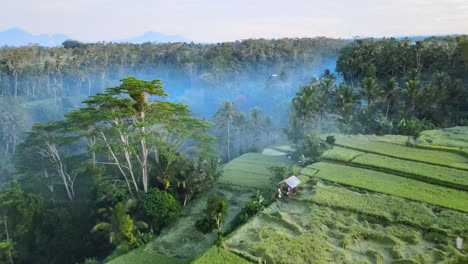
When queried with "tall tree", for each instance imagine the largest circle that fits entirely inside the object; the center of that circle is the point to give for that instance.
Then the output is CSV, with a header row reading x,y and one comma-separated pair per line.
x,y
371,90
224,116
389,94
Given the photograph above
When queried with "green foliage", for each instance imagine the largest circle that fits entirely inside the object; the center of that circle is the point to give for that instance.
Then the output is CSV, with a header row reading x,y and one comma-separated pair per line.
x,y
121,228
308,151
330,140
216,208
413,127
280,172
160,208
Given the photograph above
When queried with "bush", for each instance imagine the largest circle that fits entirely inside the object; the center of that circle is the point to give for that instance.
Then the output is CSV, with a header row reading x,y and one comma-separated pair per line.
x,y
330,140
280,172
309,150
160,208
216,208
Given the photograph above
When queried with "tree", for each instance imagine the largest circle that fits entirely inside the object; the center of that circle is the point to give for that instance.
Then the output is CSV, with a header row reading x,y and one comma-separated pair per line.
x,y
121,228
371,89
128,127
412,91
194,177
43,151
224,116
389,93
160,208
17,213
240,122
216,208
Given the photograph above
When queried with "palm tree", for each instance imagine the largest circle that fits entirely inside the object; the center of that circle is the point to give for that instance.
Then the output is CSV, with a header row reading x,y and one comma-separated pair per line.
x,y
389,93
371,89
344,95
240,121
255,122
413,90
225,114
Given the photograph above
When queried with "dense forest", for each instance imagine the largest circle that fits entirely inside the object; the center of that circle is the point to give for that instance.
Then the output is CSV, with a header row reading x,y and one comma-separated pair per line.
x,y
94,163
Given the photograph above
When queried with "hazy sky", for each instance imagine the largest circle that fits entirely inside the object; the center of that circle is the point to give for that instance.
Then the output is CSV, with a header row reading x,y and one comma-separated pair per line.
x,y
217,20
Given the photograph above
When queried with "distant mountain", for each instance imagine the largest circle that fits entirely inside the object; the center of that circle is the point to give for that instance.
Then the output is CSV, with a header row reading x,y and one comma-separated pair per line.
x,y
19,37
155,37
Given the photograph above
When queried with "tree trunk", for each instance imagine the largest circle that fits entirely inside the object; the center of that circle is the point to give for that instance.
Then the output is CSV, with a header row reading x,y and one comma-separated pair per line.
x,y
386,112
7,237
15,74
228,143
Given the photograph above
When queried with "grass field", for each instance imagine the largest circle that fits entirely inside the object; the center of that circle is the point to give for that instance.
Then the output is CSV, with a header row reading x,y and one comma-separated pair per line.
x,y
445,176
446,159
217,255
341,154
392,184
391,208
296,231
251,170
142,256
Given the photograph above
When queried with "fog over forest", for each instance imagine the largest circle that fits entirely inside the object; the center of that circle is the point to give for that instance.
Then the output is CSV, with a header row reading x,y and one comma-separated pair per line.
x,y
116,149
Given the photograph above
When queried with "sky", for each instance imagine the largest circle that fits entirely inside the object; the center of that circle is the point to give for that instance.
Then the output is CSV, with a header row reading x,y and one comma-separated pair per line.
x,y
217,20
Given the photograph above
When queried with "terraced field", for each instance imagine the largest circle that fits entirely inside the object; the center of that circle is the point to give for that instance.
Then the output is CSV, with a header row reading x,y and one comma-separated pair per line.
x,y
371,200
251,170
439,175
432,157
217,255
392,184
330,224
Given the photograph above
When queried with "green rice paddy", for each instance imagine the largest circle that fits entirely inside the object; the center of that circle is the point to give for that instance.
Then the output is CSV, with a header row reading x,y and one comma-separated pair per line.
x,y
441,158
371,200
251,170
392,184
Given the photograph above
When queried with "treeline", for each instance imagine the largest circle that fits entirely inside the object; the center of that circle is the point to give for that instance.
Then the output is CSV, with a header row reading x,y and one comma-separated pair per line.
x,y
109,176
84,69
389,87
393,58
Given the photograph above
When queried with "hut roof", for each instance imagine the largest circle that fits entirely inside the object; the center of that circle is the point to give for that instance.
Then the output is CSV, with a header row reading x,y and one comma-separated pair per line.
x,y
292,181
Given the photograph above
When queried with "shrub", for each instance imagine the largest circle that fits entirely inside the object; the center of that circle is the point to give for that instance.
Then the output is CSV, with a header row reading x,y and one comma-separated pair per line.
x,y
160,208
216,208
309,150
330,140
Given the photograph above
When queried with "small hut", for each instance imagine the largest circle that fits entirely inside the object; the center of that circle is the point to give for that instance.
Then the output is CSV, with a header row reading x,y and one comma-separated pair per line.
x,y
292,182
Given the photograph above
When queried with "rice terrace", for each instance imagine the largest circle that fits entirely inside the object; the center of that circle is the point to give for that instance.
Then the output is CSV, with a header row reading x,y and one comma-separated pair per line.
x,y
234,132
359,204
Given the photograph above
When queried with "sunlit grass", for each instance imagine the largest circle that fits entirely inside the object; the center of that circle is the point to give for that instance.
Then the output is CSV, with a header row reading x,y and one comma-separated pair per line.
x,y
391,184
403,152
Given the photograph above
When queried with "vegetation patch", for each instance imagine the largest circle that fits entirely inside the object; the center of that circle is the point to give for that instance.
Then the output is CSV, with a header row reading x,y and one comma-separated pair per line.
x,y
433,174
217,255
142,256
391,184
251,170
403,152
